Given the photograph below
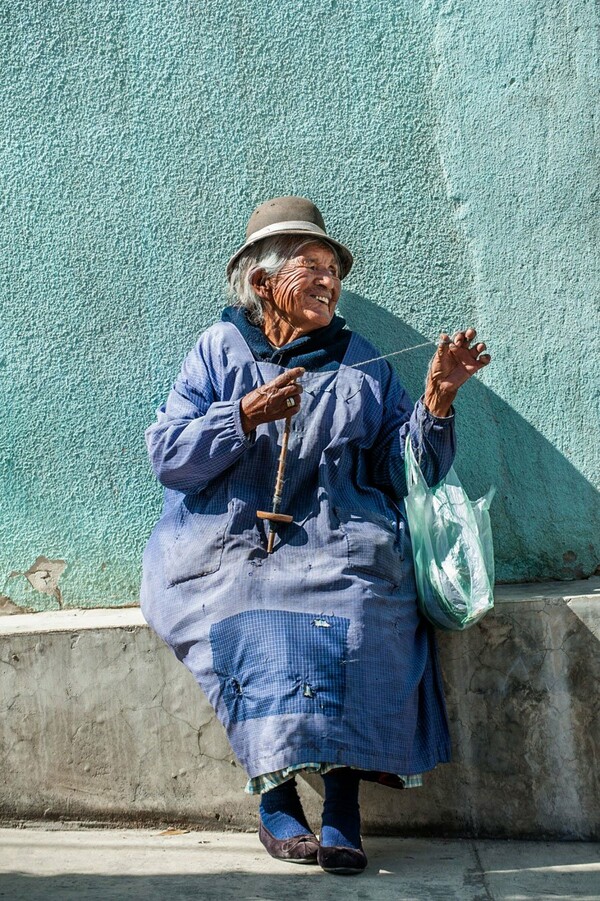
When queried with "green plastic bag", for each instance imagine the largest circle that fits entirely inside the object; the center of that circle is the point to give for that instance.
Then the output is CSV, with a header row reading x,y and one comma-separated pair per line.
x,y
452,548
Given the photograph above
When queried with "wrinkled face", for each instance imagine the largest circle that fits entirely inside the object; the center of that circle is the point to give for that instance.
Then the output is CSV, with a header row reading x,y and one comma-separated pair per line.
x,y
306,290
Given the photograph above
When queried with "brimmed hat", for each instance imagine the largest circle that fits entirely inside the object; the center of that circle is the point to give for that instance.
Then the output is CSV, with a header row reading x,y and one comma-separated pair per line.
x,y
290,216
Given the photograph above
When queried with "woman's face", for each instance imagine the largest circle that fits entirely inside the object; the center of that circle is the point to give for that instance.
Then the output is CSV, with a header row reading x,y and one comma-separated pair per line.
x,y
305,291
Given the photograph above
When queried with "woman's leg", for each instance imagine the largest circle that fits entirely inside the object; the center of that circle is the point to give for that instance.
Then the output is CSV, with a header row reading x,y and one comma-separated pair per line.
x,y
281,811
341,811
340,849
283,828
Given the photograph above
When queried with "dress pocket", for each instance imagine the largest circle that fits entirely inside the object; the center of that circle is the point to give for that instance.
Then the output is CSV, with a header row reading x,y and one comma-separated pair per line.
x,y
197,548
375,543
348,385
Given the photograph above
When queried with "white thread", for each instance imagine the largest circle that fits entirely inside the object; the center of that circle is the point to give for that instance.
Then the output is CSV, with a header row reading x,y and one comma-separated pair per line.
x,y
394,353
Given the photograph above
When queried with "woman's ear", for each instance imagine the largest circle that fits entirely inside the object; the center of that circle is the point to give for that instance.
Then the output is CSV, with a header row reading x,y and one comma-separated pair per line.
x,y
260,284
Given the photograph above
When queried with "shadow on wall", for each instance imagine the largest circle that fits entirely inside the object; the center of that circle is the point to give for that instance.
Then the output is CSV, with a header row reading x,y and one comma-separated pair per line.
x,y
545,514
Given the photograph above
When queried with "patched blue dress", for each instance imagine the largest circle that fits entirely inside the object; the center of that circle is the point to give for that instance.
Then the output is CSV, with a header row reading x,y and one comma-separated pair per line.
x,y
316,652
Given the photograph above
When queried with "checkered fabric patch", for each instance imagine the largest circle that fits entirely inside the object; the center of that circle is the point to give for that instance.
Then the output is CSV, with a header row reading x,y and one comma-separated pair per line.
x,y
272,662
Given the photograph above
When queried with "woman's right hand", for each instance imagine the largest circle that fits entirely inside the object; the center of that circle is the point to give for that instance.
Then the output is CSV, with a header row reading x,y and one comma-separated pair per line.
x,y
269,402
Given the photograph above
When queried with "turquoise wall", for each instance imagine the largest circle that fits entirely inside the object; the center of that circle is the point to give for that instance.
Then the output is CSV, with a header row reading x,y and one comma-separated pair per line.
x,y
451,145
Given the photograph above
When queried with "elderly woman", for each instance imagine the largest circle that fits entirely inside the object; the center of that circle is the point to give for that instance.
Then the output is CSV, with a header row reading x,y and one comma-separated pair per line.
x,y
314,656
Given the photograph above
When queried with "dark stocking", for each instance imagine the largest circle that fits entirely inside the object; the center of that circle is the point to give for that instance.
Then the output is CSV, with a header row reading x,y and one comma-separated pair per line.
x,y
341,812
281,811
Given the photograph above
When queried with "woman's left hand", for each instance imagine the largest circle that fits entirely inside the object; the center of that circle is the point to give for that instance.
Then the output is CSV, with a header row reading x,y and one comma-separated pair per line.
x,y
454,363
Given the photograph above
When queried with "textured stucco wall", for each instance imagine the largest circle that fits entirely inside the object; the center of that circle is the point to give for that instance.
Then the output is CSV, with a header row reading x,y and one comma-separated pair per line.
x,y
450,145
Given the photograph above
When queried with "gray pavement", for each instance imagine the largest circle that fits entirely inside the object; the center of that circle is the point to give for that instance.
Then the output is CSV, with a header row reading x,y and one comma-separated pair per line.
x,y
68,864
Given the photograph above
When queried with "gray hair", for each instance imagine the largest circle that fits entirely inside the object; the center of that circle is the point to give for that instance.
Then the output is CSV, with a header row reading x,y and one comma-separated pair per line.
x,y
270,254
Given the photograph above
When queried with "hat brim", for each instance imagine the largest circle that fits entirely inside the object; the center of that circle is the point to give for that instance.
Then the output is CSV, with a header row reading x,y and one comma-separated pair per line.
x,y
296,228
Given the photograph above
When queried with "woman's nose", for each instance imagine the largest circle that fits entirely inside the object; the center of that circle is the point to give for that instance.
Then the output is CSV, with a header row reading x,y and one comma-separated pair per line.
x,y
325,277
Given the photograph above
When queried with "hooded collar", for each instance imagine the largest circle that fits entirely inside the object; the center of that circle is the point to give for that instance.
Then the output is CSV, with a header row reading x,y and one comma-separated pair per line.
x,y
321,350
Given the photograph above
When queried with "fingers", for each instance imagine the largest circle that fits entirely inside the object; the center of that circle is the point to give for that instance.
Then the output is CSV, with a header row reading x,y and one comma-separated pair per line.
x,y
281,388
459,357
290,390
463,339
274,400
285,402
477,353
285,378
444,342
285,385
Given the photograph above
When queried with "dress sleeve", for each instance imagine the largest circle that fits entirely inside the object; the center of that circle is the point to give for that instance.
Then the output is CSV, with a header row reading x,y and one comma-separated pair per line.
x,y
197,436
432,438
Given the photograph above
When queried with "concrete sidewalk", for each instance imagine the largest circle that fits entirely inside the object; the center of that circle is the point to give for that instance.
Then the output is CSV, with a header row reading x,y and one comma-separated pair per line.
x,y
90,864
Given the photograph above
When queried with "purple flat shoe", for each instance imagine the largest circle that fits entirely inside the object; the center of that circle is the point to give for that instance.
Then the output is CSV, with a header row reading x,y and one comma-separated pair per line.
x,y
342,861
299,849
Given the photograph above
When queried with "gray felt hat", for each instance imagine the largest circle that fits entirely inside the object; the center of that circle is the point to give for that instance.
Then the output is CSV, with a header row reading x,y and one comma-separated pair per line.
x,y
290,216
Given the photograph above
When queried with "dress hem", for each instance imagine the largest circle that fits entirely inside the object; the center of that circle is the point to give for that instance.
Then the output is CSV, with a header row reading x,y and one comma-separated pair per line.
x,y
368,762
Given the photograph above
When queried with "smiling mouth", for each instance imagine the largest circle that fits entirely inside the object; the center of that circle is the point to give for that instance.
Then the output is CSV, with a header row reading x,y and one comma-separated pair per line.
x,y
321,298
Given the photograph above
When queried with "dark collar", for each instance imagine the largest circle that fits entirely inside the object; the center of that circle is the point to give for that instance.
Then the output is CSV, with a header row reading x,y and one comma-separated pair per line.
x,y
321,350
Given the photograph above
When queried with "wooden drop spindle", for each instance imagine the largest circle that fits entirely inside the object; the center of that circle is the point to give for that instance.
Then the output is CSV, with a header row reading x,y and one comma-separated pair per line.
x,y
274,516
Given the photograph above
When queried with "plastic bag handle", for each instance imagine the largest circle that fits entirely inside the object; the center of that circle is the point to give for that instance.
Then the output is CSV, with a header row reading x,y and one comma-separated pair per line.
x,y
413,473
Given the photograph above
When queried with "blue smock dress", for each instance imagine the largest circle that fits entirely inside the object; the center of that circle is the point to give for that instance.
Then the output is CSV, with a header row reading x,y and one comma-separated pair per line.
x,y
316,652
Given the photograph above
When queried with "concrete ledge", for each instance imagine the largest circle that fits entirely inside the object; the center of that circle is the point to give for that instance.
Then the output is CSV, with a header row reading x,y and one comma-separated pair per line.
x,y
101,721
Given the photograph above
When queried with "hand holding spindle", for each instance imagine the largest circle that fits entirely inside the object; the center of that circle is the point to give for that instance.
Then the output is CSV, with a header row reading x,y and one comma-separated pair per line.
x,y
272,401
